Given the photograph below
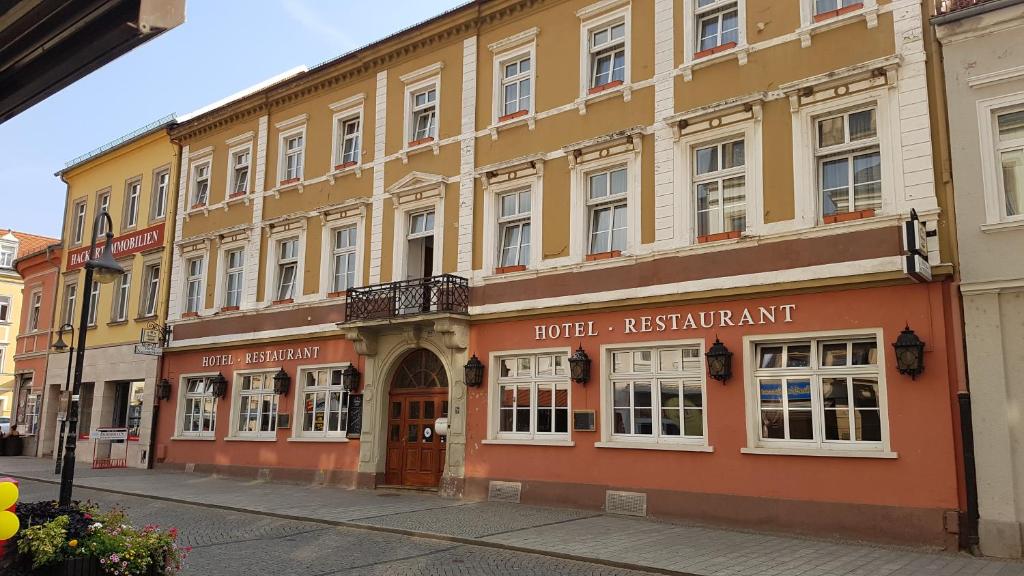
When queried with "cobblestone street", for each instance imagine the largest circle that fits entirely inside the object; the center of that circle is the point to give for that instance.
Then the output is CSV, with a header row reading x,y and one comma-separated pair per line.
x,y
228,543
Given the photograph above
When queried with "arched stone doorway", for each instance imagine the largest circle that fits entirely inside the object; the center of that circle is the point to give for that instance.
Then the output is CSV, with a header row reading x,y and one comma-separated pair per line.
x,y
417,397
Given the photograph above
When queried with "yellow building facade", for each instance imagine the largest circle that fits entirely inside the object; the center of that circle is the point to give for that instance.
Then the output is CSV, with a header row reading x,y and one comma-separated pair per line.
x,y
10,320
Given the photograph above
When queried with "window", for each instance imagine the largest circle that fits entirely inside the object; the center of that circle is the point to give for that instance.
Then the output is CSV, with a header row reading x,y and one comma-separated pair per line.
x,y
32,408
324,403
819,393
70,296
194,285
533,392
514,229
424,115
257,405
720,186
849,162
287,268
516,84
239,173
201,185
607,54
234,272
104,206
161,184
827,7
293,147
657,393
85,410
150,290
78,225
421,224
131,204
606,200
1011,161
119,311
200,407
344,261
7,254
133,412
348,142
3,356
94,301
5,308
35,307
717,25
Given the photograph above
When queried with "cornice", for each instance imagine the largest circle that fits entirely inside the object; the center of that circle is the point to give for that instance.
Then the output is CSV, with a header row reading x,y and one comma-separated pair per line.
x,y
359,63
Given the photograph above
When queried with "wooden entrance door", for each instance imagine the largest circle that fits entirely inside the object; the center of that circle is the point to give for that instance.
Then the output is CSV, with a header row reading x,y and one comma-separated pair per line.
x,y
419,396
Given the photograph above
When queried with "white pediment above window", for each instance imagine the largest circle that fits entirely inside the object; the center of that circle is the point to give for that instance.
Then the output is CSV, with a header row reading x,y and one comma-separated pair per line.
x,y
416,186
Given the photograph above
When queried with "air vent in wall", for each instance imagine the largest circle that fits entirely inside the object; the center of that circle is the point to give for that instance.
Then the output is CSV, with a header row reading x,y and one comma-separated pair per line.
x,y
504,491
628,503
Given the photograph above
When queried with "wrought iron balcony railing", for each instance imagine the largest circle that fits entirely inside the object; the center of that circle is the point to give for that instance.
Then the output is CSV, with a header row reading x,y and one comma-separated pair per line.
x,y
949,6
445,293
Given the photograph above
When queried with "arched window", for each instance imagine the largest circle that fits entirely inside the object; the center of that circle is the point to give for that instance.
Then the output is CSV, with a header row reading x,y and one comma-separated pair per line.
x,y
420,369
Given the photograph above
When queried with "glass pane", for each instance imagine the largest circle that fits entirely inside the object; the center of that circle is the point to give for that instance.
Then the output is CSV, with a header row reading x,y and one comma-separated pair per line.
x,y
545,365
621,361
730,28
507,369
862,125
707,160
735,207
798,356
618,178
772,424
800,425
834,354
642,361
670,360
869,425
523,419
732,154
506,420
1011,125
599,185
864,354
618,31
1013,181
669,394
865,392
692,396
507,397
670,424
396,433
544,420
831,132
693,422
798,392
428,410
708,33
770,356
414,410
834,392
837,424
644,421
620,394
524,366
561,398
623,423
641,394
561,420
523,396
771,393
414,433
867,168
544,396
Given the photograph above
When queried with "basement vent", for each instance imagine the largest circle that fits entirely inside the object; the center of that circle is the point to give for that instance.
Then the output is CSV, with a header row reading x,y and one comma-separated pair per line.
x,y
190,467
628,503
263,475
504,491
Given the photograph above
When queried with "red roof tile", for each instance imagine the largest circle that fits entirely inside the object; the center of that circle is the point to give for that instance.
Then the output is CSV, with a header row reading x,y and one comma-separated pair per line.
x,y
29,243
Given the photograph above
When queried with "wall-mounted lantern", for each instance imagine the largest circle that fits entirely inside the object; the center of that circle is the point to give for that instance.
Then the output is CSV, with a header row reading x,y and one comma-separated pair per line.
x,y
719,361
163,389
909,353
579,366
474,372
282,382
219,385
350,378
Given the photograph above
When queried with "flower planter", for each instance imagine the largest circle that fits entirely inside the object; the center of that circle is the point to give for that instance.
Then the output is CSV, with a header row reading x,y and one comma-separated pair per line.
x,y
84,566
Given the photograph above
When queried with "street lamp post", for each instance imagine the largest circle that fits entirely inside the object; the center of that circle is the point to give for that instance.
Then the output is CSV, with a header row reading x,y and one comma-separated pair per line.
x,y
59,346
106,270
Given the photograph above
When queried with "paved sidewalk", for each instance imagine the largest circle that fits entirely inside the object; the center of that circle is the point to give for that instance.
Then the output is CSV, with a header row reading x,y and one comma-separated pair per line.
x,y
668,547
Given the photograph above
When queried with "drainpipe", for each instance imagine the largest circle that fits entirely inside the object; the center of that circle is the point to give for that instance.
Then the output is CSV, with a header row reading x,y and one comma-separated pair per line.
x,y
969,522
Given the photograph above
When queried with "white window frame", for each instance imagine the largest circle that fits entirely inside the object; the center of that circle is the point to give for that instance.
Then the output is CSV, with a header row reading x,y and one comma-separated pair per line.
x,y
183,395
593,18
808,27
514,48
149,297
848,151
236,404
5,309
494,433
271,277
401,244
69,303
199,280
339,139
282,164
161,191
78,221
517,79
223,285
352,252
580,202
425,87
519,219
35,310
299,410
492,194
693,15
818,447
232,181
8,254
991,168
132,200
121,290
94,307
193,184
103,205
609,439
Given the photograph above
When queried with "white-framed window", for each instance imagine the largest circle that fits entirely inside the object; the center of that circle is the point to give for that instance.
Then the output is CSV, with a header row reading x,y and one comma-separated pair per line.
x,y
132,196
829,7
657,393
516,85
848,155
324,403
122,293
35,308
234,275
514,228
150,290
94,303
161,185
256,405
3,357
5,309
240,160
818,393
32,409
199,407
608,58
103,201
717,23
533,392
194,284
1009,132
287,268
293,148
719,185
348,132
344,258
607,208
78,222
200,184
8,252
423,117
421,224
67,315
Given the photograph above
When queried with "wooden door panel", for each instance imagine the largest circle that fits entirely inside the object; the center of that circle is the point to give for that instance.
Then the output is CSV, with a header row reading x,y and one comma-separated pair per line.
x,y
415,458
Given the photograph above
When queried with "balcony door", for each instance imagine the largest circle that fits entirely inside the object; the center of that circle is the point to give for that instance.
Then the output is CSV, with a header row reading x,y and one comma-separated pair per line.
x,y
418,397
419,261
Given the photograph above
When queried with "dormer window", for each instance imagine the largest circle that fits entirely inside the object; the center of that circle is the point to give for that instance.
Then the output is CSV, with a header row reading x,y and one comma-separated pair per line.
x,y
7,254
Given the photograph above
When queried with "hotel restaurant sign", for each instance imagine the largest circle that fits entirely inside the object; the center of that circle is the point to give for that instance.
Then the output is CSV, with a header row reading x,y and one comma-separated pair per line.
x,y
125,245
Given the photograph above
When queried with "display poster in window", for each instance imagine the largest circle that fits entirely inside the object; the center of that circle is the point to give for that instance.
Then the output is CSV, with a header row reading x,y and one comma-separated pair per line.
x,y
355,415
63,404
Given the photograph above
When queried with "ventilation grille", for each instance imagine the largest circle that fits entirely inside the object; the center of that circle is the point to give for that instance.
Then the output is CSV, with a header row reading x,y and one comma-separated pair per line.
x,y
628,503
190,467
504,491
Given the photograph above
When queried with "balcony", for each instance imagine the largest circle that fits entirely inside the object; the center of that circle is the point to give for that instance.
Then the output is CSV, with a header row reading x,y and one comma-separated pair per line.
x,y
949,6
435,294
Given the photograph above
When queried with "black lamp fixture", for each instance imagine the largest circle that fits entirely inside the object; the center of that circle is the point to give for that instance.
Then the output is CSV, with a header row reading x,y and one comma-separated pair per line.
x,y
60,345
282,382
474,372
220,385
719,361
163,389
105,268
579,366
350,378
909,353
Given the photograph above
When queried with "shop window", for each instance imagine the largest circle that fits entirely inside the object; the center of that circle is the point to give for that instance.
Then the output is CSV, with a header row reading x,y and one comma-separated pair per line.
x,y
849,159
819,393
256,405
607,206
133,412
657,394
199,408
514,229
533,392
720,185
324,403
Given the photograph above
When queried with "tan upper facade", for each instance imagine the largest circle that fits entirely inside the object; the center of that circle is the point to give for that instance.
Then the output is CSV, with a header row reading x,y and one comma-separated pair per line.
x,y
566,153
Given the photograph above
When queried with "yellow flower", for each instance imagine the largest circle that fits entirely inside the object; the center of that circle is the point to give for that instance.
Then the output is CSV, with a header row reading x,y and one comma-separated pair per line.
x,y
73,543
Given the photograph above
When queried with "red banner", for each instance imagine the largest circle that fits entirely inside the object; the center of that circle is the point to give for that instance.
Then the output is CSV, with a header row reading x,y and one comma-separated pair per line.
x,y
131,243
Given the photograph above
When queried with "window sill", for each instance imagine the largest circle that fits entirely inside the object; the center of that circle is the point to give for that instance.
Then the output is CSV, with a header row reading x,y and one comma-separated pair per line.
x,y
510,269
528,442
667,446
189,315
827,453
731,235
245,439
321,440
603,255
848,216
512,120
283,302
117,323
712,56
340,294
229,309
417,146
836,13
191,438
836,18
286,185
1002,226
144,318
604,92
343,169
240,198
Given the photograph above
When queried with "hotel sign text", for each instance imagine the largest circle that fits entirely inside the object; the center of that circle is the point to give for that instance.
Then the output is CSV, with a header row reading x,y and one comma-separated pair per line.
x,y
263,356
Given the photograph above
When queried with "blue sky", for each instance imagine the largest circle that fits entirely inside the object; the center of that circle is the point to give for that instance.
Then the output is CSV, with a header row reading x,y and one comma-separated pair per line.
x,y
223,47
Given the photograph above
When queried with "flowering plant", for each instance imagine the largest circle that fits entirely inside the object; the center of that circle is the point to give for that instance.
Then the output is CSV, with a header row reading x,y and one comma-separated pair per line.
x,y
52,535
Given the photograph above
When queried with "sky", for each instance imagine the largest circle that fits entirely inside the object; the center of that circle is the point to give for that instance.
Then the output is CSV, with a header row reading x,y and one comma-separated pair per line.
x,y
223,47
